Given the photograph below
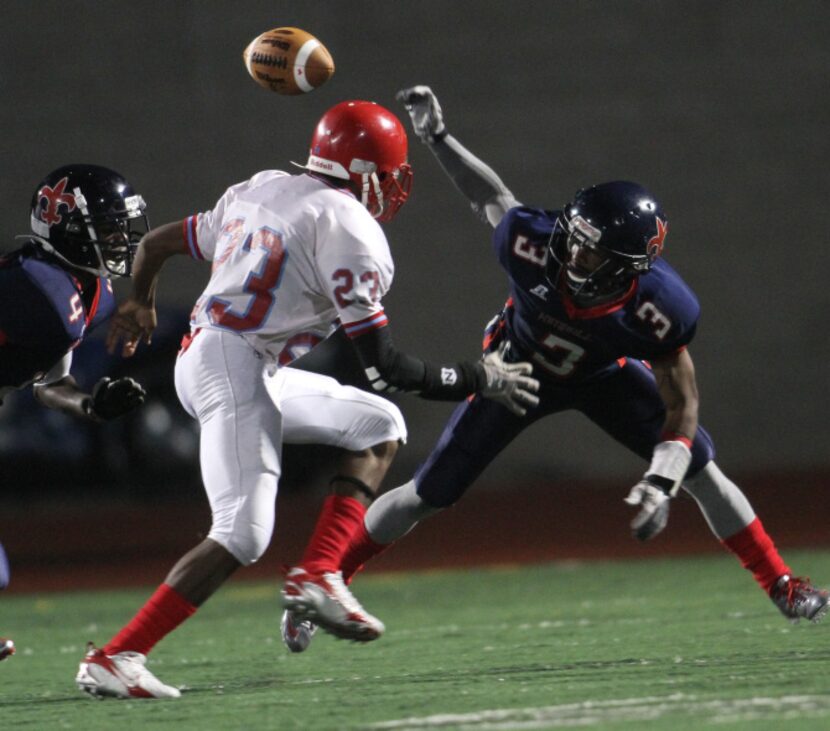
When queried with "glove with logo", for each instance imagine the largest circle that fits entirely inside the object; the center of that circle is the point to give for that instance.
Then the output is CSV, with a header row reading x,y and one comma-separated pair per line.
x,y
424,111
509,384
110,399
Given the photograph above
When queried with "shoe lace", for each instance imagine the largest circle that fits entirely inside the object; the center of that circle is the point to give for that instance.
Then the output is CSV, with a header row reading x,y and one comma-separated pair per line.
x,y
796,590
798,587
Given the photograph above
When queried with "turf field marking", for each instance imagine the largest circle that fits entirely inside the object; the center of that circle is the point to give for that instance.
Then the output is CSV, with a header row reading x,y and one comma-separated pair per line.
x,y
593,713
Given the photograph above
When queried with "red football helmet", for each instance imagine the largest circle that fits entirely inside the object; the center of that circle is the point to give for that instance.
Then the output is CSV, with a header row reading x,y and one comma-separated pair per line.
x,y
365,143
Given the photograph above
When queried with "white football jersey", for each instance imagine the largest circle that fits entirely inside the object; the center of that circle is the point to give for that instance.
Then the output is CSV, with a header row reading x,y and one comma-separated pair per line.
x,y
290,256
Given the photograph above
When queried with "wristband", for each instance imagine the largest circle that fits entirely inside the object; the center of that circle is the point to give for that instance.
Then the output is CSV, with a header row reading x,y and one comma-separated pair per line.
x,y
438,136
668,466
673,436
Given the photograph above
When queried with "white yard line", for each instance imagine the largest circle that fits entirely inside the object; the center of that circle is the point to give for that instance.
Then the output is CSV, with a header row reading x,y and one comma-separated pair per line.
x,y
593,713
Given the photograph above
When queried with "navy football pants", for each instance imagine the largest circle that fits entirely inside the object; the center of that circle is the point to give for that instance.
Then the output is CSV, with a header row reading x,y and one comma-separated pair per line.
x,y
626,405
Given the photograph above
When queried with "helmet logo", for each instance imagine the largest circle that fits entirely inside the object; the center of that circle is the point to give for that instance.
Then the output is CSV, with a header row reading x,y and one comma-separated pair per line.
x,y
55,198
655,243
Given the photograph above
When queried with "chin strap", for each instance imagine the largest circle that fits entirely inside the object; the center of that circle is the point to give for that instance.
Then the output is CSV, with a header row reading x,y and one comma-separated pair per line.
x,y
365,191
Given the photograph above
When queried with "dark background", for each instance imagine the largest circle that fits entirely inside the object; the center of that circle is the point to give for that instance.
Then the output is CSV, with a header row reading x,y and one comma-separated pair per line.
x,y
721,108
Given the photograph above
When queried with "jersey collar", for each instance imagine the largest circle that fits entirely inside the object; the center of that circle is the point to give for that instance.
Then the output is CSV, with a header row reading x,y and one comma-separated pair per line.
x,y
575,312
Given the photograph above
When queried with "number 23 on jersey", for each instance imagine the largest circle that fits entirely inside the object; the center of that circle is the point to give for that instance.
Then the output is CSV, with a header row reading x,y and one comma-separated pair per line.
x,y
262,281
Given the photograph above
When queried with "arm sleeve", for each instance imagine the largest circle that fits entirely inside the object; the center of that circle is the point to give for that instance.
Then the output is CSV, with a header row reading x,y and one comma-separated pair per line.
x,y
488,195
389,370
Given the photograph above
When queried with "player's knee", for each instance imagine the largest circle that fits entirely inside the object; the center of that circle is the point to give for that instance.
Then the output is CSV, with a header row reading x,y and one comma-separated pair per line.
x,y
703,452
389,424
380,422
438,495
442,483
248,546
244,538
397,425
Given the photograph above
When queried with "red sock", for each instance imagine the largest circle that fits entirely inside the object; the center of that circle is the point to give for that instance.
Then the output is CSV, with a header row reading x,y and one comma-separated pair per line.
x,y
338,520
361,549
757,553
163,612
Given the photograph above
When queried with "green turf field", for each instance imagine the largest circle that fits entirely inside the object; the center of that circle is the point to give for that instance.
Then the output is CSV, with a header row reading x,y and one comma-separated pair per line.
x,y
664,644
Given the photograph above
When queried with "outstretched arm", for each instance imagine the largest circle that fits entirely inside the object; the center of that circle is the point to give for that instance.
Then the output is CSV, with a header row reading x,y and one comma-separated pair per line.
x,y
108,399
135,319
390,370
488,195
675,376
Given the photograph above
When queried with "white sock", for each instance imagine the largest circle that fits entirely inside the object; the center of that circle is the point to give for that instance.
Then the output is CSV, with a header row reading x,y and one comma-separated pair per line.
x,y
721,501
395,513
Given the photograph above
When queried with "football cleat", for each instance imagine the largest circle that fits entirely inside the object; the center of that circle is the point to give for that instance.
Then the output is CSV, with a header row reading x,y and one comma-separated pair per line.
x,y
296,633
325,601
120,676
6,648
798,599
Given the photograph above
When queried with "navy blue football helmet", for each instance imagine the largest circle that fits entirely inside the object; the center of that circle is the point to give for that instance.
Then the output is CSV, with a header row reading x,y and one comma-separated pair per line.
x,y
607,236
90,218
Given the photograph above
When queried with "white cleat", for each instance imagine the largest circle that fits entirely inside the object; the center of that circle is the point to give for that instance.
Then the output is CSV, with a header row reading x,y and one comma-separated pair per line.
x,y
325,601
120,676
296,633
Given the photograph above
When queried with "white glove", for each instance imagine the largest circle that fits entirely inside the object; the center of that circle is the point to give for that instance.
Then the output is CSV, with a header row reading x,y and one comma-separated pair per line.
x,y
654,510
661,482
424,111
509,383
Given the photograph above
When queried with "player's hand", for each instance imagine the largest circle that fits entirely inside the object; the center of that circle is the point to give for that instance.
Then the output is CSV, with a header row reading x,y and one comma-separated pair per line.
x,y
132,323
424,111
509,384
654,509
110,398
661,482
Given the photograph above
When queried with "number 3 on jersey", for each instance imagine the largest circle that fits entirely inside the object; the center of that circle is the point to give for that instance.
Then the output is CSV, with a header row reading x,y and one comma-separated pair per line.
x,y
260,284
563,355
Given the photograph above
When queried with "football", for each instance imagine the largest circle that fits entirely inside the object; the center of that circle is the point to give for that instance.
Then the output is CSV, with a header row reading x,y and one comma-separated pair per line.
x,y
288,61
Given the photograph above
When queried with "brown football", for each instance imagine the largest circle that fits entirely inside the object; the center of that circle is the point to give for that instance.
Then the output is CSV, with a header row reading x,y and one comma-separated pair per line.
x,y
288,61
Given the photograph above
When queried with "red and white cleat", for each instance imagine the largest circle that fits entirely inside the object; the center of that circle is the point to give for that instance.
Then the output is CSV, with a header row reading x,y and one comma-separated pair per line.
x,y
325,601
120,676
296,633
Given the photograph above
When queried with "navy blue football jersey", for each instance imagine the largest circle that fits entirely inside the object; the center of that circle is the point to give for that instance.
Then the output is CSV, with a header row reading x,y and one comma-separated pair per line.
x,y
43,315
657,316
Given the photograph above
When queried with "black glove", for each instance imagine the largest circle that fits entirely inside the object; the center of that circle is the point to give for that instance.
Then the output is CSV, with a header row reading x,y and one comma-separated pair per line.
x,y
111,399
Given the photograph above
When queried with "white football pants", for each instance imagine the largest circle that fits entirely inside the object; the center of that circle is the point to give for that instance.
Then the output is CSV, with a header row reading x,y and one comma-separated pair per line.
x,y
245,415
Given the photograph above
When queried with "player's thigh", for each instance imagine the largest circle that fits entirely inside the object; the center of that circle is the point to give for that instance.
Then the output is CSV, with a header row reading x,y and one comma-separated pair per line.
x,y
628,407
219,381
478,430
317,409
